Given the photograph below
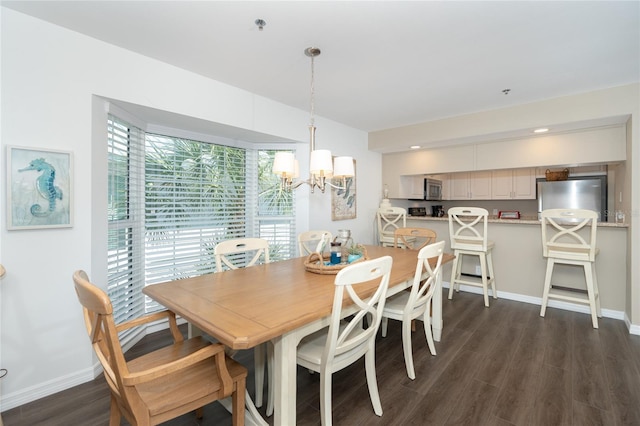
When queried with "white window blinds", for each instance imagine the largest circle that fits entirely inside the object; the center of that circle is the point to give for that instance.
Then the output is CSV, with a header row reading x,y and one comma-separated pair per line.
x,y
125,229
173,199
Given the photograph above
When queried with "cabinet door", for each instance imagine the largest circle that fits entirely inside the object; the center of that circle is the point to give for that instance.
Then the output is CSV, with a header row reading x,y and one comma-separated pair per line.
x,y
501,184
416,191
480,185
459,186
524,184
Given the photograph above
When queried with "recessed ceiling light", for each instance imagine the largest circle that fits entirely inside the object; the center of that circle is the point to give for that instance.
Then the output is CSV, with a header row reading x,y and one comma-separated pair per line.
x,y
415,146
541,130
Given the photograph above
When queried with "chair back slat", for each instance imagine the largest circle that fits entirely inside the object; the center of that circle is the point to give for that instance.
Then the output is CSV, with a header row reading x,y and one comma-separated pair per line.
x,y
240,253
468,228
389,219
422,289
569,233
313,242
352,337
101,328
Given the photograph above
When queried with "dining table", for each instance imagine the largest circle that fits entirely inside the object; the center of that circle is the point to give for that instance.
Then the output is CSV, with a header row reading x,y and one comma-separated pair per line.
x,y
281,302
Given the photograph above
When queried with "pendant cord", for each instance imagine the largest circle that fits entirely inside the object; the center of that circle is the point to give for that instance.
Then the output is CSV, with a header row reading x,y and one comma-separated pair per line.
x,y
312,93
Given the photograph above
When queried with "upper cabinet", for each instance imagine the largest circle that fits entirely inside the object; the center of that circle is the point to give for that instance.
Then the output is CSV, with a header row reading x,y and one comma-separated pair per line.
x,y
470,186
412,187
590,146
513,184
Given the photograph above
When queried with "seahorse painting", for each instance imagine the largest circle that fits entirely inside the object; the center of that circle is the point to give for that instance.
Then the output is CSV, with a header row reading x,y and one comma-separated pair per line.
x,y
45,185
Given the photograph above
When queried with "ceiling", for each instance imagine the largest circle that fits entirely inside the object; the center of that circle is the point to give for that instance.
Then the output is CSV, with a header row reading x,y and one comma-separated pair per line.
x,y
384,64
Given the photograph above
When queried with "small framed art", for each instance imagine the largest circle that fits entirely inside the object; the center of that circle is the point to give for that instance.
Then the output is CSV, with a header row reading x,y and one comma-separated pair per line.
x,y
39,190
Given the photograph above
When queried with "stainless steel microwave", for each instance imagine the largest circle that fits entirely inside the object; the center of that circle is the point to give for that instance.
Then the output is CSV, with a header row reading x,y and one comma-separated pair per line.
x,y
432,189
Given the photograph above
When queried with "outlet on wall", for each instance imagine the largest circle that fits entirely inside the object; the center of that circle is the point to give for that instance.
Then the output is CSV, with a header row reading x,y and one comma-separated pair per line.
x,y
478,270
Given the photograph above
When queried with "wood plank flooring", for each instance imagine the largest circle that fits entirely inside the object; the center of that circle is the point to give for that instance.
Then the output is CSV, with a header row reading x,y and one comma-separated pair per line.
x,y
496,366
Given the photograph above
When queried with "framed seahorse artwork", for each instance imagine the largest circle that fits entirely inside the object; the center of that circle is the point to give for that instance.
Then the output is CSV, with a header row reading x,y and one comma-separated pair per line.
x,y
39,190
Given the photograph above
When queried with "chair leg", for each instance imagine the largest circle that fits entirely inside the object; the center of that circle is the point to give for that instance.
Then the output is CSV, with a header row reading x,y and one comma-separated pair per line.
x,y
237,403
114,413
325,398
547,286
429,333
588,273
492,275
383,326
372,382
406,347
595,289
485,285
259,355
454,274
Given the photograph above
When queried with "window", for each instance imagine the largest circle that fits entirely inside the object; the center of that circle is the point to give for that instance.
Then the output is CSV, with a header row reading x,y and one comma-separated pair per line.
x,y
187,196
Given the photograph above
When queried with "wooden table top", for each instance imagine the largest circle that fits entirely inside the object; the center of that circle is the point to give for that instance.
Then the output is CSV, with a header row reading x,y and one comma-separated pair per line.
x,y
245,307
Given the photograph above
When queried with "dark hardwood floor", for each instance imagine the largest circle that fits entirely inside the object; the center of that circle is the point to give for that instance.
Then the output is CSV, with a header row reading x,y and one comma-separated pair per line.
x,y
502,365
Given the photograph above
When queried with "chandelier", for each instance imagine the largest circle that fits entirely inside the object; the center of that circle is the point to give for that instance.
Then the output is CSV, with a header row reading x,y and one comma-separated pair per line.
x,y
321,166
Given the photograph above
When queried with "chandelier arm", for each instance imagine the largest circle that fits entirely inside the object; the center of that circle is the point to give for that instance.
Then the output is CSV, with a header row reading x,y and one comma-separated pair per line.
x,y
344,184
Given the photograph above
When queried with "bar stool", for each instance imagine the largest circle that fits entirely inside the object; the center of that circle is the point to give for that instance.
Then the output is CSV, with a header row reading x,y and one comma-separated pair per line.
x,y
569,237
389,219
468,234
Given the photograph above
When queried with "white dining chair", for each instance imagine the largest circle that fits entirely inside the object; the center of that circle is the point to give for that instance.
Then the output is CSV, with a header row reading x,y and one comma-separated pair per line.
x,y
242,253
408,306
569,238
313,242
468,234
389,219
346,341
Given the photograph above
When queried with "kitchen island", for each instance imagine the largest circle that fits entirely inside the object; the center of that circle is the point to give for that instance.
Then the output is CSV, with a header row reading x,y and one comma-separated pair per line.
x,y
520,267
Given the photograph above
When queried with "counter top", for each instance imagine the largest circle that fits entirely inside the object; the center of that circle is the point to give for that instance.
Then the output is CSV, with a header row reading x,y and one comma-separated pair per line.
x,y
524,220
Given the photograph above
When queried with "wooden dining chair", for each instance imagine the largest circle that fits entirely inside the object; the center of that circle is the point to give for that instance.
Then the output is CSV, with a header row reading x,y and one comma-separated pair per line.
x,y
413,238
313,242
346,341
165,383
243,253
409,306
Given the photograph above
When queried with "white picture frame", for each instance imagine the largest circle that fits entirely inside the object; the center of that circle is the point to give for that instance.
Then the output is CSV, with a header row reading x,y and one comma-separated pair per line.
x,y
39,188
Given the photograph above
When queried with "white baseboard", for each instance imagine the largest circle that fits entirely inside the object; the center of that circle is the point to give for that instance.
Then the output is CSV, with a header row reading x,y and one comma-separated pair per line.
x,y
33,393
41,390
574,307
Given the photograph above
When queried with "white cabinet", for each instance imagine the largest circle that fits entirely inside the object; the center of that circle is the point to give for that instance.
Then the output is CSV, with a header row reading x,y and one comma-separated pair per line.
x,y
470,185
412,187
513,184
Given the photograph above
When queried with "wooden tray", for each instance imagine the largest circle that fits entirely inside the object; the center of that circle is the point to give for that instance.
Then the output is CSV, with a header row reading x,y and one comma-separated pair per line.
x,y
315,263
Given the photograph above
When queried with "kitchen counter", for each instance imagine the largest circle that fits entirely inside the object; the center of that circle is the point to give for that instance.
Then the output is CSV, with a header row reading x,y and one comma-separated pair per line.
x,y
520,267
524,220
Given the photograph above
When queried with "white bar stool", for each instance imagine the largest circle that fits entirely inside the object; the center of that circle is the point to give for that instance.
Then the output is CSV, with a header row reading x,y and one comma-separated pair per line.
x,y
569,237
468,234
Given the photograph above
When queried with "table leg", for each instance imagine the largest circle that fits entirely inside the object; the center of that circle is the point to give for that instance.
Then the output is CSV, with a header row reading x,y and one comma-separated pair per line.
x,y
252,416
285,379
436,306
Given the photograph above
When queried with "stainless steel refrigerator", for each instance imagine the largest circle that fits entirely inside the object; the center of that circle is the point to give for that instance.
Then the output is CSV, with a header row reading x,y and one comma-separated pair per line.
x,y
588,193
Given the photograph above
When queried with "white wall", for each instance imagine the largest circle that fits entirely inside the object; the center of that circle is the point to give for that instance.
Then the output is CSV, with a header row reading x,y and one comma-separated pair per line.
x,y
52,84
